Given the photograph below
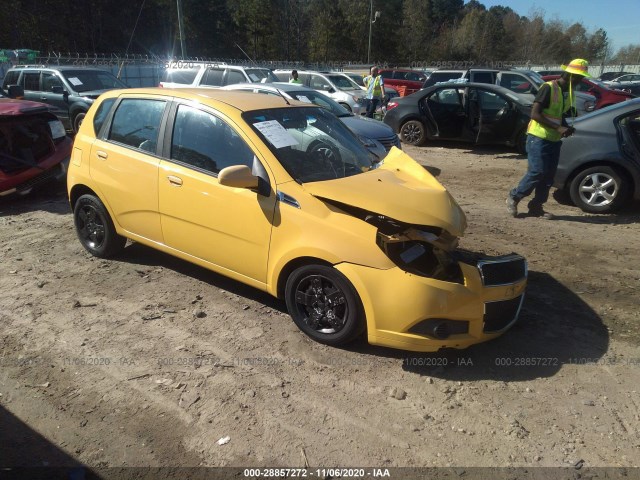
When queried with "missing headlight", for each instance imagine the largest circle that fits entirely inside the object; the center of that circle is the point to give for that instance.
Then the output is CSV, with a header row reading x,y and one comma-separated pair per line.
x,y
421,258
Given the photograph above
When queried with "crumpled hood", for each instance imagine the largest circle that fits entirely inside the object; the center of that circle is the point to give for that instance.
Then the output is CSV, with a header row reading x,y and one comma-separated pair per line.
x,y
400,189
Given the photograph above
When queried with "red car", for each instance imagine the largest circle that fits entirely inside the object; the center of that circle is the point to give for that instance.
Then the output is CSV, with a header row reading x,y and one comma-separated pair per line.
x,y
605,95
411,80
34,147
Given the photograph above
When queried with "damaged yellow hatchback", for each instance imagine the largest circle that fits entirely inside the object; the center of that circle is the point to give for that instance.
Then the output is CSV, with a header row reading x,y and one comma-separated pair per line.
x,y
282,196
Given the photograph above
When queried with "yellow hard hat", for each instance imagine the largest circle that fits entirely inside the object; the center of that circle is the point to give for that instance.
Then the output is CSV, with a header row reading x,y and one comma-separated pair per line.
x,y
577,66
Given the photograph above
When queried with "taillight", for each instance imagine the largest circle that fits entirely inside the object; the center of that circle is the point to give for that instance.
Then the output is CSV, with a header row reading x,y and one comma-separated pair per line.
x,y
391,105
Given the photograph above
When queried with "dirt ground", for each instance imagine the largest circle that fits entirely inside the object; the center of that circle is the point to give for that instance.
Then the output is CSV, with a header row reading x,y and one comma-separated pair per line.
x,y
149,361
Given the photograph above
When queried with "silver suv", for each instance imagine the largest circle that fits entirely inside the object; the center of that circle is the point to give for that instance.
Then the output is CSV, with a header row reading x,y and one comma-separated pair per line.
x,y
336,85
202,74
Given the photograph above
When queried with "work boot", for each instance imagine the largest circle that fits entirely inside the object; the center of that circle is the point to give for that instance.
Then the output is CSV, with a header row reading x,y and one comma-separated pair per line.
x,y
538,211
512,206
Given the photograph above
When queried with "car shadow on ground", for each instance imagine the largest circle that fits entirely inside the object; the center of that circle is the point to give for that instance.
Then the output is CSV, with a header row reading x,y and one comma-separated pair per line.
x,y
27,454
555,328
138,254
51,198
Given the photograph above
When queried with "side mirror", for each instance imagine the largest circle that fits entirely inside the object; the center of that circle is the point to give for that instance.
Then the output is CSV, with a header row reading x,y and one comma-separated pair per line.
x,y
57,89
330,90
15,91
237,176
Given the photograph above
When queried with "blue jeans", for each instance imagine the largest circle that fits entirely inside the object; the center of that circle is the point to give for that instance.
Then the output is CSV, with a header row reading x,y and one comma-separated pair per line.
x,y
543,157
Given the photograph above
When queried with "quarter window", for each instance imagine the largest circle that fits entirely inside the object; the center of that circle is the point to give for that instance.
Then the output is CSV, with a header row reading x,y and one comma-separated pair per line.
x,y
101,114
136,123
203,141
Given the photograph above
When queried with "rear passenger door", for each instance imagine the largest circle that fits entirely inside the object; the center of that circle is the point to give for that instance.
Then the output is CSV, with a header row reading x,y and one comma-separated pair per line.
x,y
445,111
124,163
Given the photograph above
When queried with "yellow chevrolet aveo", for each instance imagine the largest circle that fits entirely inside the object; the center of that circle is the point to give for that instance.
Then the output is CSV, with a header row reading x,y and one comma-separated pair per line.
x,y
280,195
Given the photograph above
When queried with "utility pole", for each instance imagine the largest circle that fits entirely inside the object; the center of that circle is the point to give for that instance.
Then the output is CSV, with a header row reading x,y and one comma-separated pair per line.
x,y
372,20
181,29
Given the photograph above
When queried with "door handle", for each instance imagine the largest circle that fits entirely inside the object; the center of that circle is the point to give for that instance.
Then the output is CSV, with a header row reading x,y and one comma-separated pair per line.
x,y
101,155
43,98
174,181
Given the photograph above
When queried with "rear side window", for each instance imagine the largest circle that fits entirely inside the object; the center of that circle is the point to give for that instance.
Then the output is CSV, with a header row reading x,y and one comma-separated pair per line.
x,y
101,114
213,77
387,74
11,78
203,141
31,80
184,76
136,123
483,77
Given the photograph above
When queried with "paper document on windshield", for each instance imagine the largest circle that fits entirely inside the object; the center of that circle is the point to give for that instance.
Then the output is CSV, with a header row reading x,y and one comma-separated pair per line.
x,y
304,99
75,81
276,134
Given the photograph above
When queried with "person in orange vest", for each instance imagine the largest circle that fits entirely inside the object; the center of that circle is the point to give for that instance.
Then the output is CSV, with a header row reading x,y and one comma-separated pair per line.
x,y
547,127
375,91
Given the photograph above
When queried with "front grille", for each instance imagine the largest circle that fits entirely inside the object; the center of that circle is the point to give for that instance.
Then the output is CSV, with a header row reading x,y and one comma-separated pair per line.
x,y
499,315
502,270
388,142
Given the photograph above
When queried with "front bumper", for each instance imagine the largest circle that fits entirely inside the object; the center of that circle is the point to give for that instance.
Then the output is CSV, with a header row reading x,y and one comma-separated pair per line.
x,y
416,313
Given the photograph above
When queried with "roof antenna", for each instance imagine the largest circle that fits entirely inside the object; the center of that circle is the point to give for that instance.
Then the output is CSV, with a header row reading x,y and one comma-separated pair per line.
x,y
245,54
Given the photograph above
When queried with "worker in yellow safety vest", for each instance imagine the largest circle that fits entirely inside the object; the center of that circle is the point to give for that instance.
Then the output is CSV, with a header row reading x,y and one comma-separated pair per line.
x,y
375,91
547,127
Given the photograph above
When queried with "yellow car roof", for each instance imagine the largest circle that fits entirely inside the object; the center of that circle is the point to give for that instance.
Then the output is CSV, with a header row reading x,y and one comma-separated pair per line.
x,y
241,100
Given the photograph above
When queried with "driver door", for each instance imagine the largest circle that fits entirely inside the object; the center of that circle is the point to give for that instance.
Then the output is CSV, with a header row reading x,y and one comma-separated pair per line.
x,y
229,228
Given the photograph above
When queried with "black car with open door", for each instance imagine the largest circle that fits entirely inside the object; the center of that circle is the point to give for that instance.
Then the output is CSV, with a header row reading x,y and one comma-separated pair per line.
x,y
479,113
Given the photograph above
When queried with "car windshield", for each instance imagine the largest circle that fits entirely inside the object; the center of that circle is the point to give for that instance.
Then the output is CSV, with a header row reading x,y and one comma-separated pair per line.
x,y
343,83
357,79
311,143
259,74
88,80
310,96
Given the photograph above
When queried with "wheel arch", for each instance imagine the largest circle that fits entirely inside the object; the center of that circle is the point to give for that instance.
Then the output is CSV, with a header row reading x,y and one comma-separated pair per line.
x,y
293,264
620,169
77,191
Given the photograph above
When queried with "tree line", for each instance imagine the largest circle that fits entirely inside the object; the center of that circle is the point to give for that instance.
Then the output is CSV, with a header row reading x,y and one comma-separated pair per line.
x,y
405,32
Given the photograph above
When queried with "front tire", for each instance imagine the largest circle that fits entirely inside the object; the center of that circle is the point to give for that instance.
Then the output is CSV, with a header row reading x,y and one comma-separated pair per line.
x,y
95,228
413,133
324,304
599,190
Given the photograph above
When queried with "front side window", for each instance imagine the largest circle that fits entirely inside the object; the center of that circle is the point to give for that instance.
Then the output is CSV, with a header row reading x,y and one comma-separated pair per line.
x,y
203,141
311,143
319,83
50,80
490,103
136,123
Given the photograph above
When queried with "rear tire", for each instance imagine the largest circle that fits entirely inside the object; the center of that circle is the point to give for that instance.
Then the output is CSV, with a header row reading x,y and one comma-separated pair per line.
x,y
95,228
599,189
413,133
